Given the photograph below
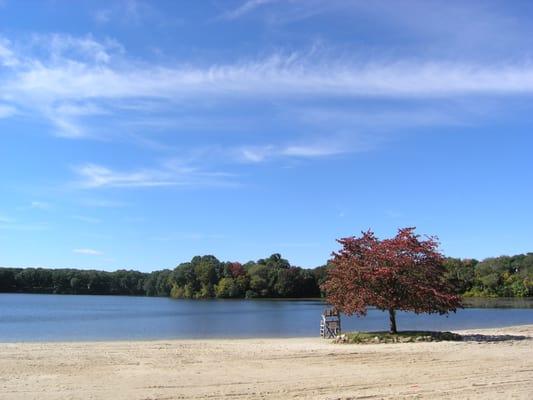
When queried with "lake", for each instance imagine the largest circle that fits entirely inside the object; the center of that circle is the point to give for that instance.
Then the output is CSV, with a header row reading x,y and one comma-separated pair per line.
x,y
41,317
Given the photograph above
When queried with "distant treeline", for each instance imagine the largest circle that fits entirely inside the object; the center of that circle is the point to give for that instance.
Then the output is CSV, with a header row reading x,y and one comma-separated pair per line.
x,y
202,277
505,276
207,277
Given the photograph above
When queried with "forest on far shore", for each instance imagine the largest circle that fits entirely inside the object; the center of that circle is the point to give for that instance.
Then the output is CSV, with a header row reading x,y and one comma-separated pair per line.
x,y
272,277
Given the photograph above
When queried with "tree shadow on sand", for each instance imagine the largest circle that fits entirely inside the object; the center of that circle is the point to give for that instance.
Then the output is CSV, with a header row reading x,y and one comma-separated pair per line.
x,y
493,338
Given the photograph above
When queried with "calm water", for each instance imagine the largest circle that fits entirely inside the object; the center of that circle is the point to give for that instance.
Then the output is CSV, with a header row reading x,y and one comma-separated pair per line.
x,y
33,317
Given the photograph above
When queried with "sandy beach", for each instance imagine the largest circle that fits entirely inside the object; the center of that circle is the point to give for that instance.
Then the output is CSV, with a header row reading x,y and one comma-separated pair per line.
x,y
492,366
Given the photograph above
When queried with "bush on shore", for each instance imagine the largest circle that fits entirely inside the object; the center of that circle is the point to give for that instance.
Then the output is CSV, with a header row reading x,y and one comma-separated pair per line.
x,y
400,337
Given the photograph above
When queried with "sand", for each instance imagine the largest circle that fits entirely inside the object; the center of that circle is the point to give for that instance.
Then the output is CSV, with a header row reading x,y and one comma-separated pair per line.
x,y
302,368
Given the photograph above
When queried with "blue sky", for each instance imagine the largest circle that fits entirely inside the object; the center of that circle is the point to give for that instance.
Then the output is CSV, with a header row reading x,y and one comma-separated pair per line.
x,y
137,134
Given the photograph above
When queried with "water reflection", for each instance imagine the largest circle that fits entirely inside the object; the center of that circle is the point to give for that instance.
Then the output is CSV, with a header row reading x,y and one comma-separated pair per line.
x,y
501,302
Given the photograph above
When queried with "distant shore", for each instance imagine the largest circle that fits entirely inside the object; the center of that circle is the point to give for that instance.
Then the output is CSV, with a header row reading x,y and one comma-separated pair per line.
x,y
467,300
492,363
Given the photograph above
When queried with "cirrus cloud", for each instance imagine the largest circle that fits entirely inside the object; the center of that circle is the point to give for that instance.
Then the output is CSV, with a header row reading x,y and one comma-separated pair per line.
x,y
170,173
88,252
80,77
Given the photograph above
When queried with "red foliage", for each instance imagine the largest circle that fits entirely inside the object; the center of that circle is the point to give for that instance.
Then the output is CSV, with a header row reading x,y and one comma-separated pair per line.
x,y
402,273
236,269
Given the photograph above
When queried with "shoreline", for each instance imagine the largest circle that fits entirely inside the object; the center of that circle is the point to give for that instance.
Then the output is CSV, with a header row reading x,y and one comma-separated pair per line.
x,y
237,338
464,297
274,368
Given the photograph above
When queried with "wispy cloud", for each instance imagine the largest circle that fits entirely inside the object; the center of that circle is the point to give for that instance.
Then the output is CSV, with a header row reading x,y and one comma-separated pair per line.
x,y
88,252
170,173
246,8
443,28
72,79
7,56
255,153
81,77
317,148
94,176
275,76
65,118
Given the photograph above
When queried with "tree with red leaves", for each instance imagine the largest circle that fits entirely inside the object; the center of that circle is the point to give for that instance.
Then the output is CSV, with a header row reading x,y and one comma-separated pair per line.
x,y
235,269
402,273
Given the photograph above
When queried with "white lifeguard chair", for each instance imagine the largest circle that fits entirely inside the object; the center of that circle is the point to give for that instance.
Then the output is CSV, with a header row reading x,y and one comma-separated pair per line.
x,y
330,324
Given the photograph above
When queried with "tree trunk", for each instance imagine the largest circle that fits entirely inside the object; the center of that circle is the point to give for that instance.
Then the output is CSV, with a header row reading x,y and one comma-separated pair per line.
x,y
392,318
